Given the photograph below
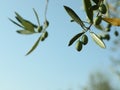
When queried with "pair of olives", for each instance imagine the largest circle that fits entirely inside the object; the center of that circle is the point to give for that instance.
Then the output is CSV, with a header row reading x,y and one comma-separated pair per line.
x,y
104,36
40,28
103,10
44,35
80,43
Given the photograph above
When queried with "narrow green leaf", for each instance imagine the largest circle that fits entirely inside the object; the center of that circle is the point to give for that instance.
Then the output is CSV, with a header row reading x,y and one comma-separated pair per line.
x,y
26,32
20,18
74,16
35,26
36,16
75,38
16,23
27,24
97,40
34,46
89,12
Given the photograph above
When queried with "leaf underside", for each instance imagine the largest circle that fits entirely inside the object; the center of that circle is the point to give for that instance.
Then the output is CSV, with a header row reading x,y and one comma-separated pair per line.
x,y
97,40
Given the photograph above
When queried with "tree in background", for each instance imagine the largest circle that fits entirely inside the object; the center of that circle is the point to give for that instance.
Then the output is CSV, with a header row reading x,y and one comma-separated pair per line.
x,y
99,81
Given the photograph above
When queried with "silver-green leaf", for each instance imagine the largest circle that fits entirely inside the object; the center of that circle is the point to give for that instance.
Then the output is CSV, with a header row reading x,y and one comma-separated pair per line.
x,y
34,46
97,40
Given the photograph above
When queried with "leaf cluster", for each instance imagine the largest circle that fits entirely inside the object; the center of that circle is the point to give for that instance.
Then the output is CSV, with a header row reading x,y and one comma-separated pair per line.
x,y
92,8
29,28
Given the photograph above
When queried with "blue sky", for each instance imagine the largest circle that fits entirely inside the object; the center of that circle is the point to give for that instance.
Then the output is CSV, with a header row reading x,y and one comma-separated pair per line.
x,y
53,65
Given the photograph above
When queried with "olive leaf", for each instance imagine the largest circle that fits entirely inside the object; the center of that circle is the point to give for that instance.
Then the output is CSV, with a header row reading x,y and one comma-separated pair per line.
x,y
27,24
75,38
26,32
74,16
35,26
19,17
34,46
15,23
112,21
36,16
88,9
97,40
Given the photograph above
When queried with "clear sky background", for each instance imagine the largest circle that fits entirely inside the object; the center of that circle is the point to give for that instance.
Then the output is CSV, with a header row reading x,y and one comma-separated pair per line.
x,y
53,65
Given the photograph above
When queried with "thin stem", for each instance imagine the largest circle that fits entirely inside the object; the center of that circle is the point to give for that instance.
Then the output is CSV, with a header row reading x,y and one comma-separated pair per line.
x,y
46,7
36,17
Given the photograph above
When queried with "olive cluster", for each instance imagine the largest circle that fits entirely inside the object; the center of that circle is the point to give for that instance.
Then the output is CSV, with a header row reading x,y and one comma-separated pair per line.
x,y
94,19
107,36
41,29
44,35
82,41
102,10
29,28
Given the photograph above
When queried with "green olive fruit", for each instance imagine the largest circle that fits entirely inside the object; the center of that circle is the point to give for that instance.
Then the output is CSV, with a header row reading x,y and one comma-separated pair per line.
x,y
46,23
103,9
44,36
39,29
107,29
116,33
98,20
84,39
107,37
78,45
